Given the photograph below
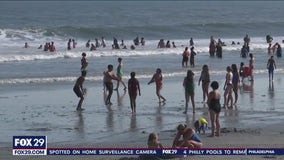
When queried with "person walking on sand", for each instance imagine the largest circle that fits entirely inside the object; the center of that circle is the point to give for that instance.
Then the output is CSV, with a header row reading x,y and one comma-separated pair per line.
x,y
158,79
188,84
185,56
228,86
119,74
108,77
214,108
251,65
235,82
84,62
133,87
271,65
79,90
205,79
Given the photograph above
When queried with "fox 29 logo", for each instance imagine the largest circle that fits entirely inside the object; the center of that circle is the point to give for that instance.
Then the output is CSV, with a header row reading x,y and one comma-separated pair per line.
x,y
29,142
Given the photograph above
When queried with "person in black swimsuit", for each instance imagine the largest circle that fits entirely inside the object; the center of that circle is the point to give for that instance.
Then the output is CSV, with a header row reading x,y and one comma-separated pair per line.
x,y
214,108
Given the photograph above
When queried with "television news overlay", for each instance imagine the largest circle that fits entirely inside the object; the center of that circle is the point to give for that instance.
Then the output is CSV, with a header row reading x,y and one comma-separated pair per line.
x,y
37,145
29,145
165,151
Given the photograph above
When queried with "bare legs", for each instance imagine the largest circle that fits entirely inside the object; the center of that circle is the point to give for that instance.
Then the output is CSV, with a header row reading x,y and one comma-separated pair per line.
x,y
79,106
159,95
215,124
228,96
133,103
205,87
187,101
120,80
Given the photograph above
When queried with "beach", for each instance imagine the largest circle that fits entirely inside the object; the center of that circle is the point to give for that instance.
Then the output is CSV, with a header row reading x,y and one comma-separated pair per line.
x,y
51,112
36,84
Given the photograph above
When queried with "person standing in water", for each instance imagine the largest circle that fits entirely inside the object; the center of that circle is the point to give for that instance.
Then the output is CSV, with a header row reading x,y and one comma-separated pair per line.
x,y
108,77
192,55
228,87
185,56
188,84
84,62
69,44
271,65
251,65
158,79
133,87
205,79
79,90
191,43
119,74
235,82
214,108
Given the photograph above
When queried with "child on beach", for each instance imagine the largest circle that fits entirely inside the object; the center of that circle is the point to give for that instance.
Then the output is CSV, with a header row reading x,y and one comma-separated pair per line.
x,y
189,138
108,77
158,79
119,74
79,90
205,79
84,62
153,141
188,84
214,108
133,87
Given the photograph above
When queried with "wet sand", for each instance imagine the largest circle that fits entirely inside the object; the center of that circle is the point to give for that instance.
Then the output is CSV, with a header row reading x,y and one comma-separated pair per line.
x,y
50,110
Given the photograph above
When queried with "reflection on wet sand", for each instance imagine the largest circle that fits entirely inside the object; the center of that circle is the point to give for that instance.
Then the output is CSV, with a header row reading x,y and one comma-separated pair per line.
x,y
271,95
133,124
79,126
120,99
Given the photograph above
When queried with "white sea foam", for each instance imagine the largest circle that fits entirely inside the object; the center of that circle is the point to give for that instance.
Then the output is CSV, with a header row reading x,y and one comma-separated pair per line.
x,y
14,51
46,80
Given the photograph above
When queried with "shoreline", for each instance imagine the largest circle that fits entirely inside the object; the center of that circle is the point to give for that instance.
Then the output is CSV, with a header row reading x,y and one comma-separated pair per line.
x,y
51,112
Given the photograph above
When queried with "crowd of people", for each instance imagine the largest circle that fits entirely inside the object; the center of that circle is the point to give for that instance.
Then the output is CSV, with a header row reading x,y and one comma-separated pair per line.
x,y
212,99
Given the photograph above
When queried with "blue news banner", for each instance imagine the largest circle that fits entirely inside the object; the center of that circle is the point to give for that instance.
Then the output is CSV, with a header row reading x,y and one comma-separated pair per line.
x,y
37,145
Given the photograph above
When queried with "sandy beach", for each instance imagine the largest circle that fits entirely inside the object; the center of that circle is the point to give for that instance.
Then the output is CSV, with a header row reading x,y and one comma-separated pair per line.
x,y
51,111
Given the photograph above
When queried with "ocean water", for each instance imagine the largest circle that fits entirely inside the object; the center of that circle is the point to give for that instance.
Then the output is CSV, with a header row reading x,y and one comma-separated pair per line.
x,y
38,22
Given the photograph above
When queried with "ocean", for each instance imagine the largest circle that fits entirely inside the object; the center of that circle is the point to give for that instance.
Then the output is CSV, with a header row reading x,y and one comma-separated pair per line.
x,y
38,22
